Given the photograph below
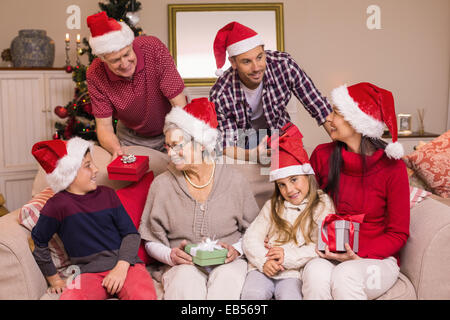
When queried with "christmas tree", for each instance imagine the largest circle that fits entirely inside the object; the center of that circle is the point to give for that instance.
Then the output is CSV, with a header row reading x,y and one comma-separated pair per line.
x,y
77,113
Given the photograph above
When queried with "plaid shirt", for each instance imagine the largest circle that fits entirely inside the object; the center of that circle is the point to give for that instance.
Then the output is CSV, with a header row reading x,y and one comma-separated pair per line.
x,y
282,78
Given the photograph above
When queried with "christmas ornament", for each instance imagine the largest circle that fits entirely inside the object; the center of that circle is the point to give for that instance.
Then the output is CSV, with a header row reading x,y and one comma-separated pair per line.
x,y
69,69
61,112
55,136
88,108
133,18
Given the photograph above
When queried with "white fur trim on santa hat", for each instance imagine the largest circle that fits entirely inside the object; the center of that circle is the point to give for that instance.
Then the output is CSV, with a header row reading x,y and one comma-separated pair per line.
x,y
360,121
112,41
67,167
290,171
199,130
394,150
244,45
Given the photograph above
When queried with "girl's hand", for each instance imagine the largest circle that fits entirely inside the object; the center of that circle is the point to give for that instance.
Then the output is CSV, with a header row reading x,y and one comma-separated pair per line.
x,y
272,267
232,252
178,256
57,284
341,257
277,254
114,280
266,243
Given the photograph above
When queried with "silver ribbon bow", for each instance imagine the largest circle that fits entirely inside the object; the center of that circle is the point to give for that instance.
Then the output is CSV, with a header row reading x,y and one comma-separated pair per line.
x,y
128,158
205,245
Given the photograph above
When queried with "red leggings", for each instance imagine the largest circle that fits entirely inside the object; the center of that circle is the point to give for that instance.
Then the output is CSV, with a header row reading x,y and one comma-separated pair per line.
x,y
137,286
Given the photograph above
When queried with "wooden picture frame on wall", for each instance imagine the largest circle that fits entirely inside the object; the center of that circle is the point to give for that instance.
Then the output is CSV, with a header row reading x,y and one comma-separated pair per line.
x,y
193,27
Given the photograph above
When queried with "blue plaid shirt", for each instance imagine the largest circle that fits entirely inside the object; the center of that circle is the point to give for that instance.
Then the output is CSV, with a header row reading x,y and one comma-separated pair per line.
x,y
282,78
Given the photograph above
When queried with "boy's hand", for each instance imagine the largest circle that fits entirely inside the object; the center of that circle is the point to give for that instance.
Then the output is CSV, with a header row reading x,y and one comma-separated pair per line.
x,y
57,284
115,279
272,267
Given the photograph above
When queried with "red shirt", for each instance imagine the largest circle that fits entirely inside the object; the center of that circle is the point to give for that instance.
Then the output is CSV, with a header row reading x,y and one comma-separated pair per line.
x,y
142,102
382,194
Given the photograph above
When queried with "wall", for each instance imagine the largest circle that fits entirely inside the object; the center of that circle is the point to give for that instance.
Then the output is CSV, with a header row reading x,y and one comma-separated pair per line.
x,y
328,38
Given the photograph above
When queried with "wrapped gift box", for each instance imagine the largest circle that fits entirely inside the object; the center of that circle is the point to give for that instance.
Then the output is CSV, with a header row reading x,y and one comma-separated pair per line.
x,y
205,257
342,235
117,170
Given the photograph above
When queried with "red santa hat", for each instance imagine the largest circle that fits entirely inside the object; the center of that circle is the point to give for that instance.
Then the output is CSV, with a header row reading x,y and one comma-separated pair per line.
x,y
107,34
61,160
198,119
367,108
288,158
235,39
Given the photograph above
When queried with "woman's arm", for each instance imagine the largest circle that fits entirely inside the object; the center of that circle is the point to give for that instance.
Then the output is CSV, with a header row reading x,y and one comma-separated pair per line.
x,y
396,230
253,241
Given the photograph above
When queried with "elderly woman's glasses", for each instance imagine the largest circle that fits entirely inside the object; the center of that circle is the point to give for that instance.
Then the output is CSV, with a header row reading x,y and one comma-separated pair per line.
x,y
175,148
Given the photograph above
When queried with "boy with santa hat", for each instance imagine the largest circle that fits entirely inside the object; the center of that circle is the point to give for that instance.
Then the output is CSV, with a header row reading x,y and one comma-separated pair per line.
x,y
97,233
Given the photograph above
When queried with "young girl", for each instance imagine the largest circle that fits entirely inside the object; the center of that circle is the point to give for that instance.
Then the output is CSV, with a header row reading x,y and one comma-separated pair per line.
x,y
288,223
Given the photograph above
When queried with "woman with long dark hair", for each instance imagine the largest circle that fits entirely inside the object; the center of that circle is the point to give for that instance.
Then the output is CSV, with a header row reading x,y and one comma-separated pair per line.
x,y
363,175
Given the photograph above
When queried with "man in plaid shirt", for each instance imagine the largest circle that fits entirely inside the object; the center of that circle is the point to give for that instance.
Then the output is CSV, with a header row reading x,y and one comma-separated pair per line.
x,y
251,96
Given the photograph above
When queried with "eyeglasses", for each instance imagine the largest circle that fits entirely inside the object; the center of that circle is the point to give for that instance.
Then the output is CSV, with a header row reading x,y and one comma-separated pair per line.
x,y
176,148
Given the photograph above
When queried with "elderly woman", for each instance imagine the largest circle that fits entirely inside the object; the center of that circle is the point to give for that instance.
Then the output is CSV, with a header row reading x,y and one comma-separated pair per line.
x,y
193,200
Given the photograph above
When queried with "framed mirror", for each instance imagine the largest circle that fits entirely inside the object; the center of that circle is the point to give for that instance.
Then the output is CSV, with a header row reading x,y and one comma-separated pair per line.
x,y
193,27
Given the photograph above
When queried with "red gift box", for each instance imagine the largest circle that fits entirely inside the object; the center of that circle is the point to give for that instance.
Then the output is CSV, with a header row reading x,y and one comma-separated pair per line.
x,y
117,170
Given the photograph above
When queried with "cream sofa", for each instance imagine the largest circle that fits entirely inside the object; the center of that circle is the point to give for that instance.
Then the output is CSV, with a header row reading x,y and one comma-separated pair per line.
x,y
425,259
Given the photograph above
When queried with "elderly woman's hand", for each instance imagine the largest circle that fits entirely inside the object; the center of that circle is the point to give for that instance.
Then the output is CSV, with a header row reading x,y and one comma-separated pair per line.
x,y
178,255
341,257
232,252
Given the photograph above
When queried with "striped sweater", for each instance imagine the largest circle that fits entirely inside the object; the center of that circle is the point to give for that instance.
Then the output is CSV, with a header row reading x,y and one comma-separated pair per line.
x,y
95,229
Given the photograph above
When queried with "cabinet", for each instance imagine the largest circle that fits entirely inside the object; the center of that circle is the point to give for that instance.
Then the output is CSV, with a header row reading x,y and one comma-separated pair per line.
x,y
27,100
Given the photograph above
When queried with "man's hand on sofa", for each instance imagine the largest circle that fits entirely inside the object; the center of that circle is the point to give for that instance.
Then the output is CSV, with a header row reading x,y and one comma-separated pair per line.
x,y
57,284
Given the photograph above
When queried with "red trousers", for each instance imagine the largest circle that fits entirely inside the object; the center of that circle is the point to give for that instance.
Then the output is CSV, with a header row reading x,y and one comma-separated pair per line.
x,y
138,285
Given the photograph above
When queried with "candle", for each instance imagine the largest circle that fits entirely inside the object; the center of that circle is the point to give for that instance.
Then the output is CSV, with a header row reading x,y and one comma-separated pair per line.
x,y
67,37
78,38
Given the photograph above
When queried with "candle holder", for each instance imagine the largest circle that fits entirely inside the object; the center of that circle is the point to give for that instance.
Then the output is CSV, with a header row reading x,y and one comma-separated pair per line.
x,y
79,50
67,50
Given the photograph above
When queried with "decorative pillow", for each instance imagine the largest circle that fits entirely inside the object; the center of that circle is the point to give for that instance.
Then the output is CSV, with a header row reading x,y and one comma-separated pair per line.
x,y
416,195
28,217
432,164
133,198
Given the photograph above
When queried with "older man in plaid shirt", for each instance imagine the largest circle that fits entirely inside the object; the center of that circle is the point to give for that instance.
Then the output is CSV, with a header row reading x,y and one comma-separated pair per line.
x,y
251,96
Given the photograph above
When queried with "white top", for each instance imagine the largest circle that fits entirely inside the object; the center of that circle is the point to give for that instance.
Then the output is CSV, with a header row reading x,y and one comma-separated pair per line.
x,y
295,255
253,98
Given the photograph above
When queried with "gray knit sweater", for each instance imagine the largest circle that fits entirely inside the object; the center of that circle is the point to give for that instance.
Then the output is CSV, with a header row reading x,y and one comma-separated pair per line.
x,y
171,214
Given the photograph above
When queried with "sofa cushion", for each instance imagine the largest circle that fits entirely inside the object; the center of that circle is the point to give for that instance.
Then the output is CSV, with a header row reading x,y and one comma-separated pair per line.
x,y
432,163
133,198
401,290
28,217
424,255
417,195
